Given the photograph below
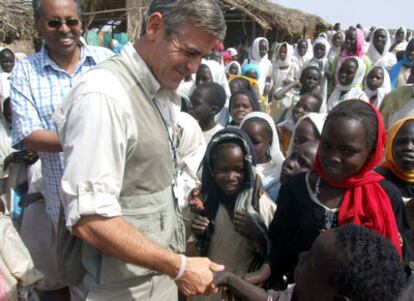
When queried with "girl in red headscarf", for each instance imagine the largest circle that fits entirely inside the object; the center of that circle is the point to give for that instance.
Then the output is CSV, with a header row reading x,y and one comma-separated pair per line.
x,y
343,190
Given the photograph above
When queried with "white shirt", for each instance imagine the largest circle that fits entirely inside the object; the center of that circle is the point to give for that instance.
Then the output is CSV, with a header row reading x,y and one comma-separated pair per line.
x,y
98,132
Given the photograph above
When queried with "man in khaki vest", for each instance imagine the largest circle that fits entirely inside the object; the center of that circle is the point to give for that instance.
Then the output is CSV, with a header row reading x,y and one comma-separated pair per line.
x,y
118,132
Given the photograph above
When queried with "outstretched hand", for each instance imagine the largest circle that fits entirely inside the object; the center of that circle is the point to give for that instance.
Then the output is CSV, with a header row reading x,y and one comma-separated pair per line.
x,y
198,277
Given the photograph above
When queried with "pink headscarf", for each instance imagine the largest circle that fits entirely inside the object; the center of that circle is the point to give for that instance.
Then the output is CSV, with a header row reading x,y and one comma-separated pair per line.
x,y
359,44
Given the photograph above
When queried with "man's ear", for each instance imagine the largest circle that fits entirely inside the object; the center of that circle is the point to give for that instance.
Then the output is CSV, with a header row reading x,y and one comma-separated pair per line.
x,y
155,25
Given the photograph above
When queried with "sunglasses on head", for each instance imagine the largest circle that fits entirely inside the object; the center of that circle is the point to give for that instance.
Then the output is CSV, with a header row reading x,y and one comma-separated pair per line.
x,y
57,23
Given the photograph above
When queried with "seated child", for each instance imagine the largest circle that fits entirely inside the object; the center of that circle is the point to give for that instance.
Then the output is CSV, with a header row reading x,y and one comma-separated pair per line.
x,y
308,128
241,104
262,132
343,190
377,83
308,103
233,198
343,264
206,101
350,76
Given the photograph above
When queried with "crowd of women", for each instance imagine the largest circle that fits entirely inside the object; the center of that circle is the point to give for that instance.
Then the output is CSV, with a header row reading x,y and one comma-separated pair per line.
x,y
296,167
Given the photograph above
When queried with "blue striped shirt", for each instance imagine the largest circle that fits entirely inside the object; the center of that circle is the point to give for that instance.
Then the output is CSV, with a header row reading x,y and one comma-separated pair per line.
x,y
38,86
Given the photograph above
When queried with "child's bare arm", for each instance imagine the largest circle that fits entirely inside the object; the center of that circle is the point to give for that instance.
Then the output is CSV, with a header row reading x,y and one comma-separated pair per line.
x,y
258,277
240,287
246,225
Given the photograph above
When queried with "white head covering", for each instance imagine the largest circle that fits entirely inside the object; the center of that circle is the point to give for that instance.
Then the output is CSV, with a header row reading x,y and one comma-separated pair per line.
x,y
289,55
228,66
317,119
255,49
275,152
381,91
354,90
403,44
322,40
232,51
219,76
386,58
308,55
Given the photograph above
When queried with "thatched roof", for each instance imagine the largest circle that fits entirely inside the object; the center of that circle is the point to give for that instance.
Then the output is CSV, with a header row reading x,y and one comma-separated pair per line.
x,y
290,22
16,20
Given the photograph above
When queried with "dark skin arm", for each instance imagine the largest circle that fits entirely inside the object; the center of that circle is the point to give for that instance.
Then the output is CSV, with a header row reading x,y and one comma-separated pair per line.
x,y
240,287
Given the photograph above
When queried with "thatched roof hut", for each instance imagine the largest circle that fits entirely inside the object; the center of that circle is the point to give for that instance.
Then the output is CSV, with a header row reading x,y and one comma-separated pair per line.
x,y
254,16
16,21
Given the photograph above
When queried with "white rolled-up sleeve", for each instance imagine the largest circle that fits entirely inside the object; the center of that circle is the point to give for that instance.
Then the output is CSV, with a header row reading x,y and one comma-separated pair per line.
x,y
97,132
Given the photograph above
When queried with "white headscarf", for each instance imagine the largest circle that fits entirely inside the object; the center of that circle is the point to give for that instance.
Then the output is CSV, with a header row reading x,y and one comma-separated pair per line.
x,y
218,75
354,90
308,55
232,51
228,66
265,65
289,64
275,152
381,91
322,40
289,55
317,119
403,44
386,58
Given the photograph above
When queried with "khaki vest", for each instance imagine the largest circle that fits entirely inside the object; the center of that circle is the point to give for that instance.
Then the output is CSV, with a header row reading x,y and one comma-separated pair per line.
x,y
146,196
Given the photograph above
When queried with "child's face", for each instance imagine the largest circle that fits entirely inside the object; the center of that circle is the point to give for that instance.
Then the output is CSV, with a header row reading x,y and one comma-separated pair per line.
x,y
203,75
228,169
7,63
375,78
252,74
350,41
304,132
337,40
263,48
260,139
240,107
310,79
307,104
316,269
200,108
380,38
403,147
300,160
282,53
233,69
399,35
343,152
319,50
302,48
347,72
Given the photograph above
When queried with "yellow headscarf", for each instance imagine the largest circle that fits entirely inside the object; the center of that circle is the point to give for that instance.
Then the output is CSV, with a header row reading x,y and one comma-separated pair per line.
x,y
407,176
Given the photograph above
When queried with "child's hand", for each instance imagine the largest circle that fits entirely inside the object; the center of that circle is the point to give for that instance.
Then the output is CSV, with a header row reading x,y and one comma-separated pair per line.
x,y
200,225
196,201
221,278
245,224
258,277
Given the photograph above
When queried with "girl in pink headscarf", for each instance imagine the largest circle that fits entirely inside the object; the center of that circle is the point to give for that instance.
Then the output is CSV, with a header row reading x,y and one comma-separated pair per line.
x,y
354,42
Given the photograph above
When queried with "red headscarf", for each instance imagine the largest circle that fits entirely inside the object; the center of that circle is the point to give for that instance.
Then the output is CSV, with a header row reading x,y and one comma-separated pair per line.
x,y
365,202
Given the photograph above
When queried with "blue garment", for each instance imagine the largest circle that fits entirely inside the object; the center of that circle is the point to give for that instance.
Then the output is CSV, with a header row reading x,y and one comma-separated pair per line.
x,y
248,67
273,190
395,71
38,85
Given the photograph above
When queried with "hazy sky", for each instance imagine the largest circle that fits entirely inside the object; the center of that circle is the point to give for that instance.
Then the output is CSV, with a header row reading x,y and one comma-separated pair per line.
x,y
381,13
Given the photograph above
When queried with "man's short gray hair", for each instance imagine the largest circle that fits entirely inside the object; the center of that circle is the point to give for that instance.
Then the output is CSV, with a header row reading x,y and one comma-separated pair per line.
x,y
37,8
204,14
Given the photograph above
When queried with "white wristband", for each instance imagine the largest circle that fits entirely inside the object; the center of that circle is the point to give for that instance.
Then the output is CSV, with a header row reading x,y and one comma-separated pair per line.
x,y
182,268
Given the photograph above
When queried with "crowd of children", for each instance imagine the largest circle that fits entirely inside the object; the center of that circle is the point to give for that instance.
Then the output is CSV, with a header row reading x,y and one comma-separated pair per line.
x,y
296,168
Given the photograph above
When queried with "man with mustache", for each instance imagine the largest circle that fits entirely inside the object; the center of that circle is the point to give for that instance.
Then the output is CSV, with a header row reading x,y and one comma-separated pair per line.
x,y
38,85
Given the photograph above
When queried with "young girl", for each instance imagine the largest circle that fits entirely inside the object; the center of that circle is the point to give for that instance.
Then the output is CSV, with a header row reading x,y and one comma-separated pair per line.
x,y
350,77
262,132
308,128
377,83
378,50
232,196
308,103
399,43
320,60
336,44
303,52
241,104
338,267
343,190
400,72
233,68
285,70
